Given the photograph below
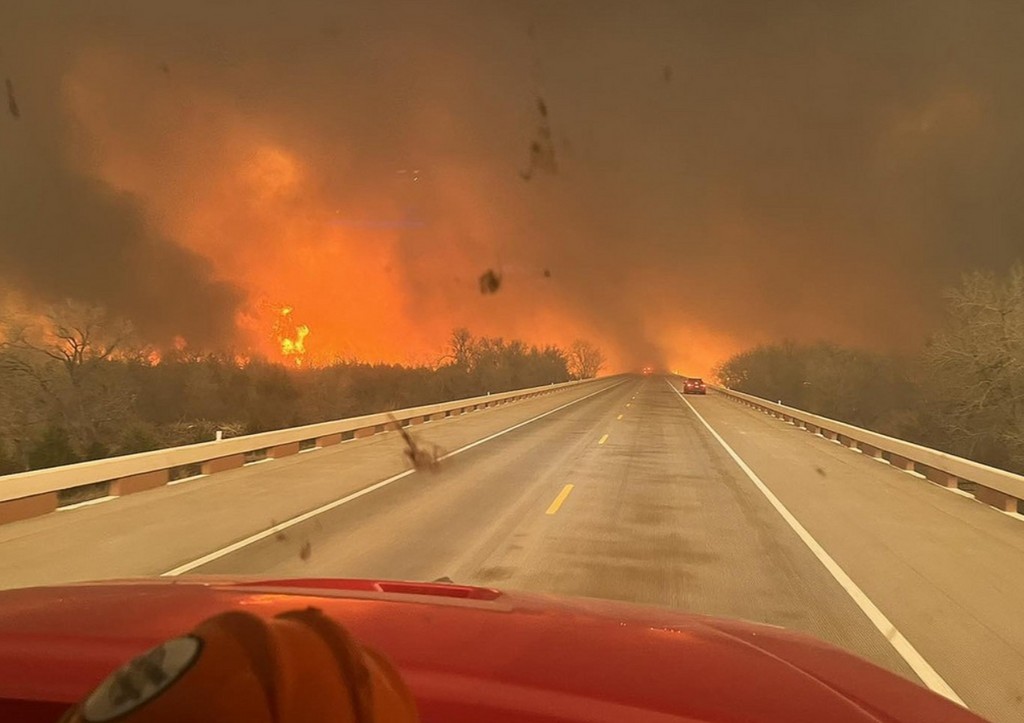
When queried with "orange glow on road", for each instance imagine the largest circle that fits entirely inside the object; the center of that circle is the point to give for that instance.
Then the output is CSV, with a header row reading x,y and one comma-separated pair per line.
x,y
697,351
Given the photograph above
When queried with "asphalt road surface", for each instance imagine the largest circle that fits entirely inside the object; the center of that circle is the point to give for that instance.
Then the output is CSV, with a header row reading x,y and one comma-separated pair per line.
x,y
619,489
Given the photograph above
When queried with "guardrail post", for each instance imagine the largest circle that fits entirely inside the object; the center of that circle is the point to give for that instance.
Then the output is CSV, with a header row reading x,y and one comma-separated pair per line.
x,y
869,450
999,500
25,507
902,463
940,477
283,450
220,464
139,483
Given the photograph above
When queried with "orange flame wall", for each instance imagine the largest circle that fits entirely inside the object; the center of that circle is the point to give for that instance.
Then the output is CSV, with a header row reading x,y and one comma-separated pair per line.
x,y
368,273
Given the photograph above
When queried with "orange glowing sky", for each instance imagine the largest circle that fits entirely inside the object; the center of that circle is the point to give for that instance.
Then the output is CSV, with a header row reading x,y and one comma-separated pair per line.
x,y
260,211
702,179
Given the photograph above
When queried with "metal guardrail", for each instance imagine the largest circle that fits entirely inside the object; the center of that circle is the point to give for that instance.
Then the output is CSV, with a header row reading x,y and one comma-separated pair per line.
x,y
996,487
29,494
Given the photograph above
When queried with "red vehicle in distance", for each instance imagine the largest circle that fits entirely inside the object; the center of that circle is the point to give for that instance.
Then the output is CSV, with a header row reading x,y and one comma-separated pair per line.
x,y
694,385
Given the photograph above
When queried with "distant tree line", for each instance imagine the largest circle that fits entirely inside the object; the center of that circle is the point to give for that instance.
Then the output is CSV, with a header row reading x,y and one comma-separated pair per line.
x,y
963,393
74,386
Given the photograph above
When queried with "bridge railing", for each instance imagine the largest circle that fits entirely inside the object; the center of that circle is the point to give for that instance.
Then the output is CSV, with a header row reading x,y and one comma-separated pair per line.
x,y
29,494
996,487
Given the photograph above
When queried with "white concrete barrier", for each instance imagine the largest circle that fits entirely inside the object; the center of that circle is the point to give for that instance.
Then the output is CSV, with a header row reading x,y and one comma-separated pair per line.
x,y
28,494
999,488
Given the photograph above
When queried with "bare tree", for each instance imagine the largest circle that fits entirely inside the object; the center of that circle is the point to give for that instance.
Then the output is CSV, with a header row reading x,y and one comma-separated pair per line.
x,y
976,363
63,352
72,334
585,360
461,348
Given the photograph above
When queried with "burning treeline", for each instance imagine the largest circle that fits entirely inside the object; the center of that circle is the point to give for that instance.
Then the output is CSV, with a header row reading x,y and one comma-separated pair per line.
x,y
291,336
74,386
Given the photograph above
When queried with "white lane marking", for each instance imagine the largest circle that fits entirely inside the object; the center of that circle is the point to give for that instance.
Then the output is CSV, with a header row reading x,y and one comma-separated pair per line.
x,y
87,503
263,534
908,652
186,479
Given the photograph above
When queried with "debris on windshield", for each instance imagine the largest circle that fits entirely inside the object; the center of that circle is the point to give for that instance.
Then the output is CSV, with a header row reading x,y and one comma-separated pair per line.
x,y
423,458
306,551
490,282
547,273
666,73
542,148
12,103
280,535
165,68
820,471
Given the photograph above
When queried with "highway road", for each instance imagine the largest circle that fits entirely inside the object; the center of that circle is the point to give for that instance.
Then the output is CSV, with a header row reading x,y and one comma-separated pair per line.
x,y
619,489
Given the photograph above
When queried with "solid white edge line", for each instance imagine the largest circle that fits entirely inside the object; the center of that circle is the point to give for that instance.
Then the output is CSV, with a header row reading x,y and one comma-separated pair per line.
x,y
928,675
263,534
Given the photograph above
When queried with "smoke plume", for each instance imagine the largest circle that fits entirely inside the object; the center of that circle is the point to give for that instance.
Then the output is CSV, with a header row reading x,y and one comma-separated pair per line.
x,y
671,180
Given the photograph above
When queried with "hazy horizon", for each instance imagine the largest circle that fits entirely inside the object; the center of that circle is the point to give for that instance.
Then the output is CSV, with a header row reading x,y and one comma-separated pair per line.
x,y
718,175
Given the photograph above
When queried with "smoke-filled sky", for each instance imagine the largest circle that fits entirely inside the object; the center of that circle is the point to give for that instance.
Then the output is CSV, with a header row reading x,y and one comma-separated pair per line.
x,y
673,180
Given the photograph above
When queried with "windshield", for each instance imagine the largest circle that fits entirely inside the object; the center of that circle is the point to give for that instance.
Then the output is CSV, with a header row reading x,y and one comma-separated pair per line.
x,y
419,291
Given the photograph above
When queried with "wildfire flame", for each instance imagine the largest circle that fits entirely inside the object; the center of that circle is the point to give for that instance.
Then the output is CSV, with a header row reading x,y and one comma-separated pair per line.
x,y
291,336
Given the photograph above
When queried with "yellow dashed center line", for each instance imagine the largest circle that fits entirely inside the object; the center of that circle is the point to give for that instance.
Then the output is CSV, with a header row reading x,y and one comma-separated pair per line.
x,y
603,439
559,500
619,417
627,404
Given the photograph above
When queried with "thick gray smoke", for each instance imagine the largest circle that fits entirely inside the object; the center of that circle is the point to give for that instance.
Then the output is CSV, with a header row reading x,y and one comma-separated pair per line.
x,y
64,234
684,170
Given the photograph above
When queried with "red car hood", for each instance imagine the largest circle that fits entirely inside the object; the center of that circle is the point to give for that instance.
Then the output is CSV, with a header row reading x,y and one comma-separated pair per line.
x,y
470,654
